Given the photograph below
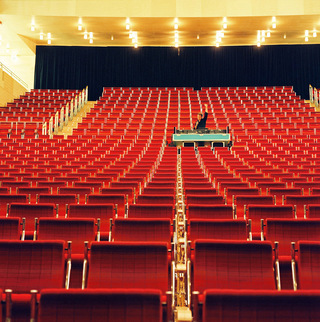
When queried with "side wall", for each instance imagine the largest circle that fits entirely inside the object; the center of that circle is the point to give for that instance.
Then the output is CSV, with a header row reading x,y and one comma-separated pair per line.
x,y
9,88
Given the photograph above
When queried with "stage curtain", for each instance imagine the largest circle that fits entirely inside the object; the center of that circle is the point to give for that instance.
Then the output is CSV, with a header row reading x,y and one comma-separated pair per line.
x,y
76,67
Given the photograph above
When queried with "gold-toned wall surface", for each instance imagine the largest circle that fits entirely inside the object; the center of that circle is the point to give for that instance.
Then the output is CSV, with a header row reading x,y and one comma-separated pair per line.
x,y
9,88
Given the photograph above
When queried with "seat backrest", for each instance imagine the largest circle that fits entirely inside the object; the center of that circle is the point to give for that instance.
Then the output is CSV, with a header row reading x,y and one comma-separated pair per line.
x,y
32,211
10,228
251,306
313,211
142,230
301,202
287,231
280,192
233,265
118,200
205,200
32,265
155,199
61,200
308,276
128,265
217,229
77,230
258,212
151,211
210,211
240,191
242,201
76,305
9,199
102,211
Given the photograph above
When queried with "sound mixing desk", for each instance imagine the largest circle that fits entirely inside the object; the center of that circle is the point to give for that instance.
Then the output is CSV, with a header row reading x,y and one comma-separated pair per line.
x,y
191,136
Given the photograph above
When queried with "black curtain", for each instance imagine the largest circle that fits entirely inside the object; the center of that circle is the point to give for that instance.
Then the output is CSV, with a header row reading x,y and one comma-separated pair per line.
x,y
98,67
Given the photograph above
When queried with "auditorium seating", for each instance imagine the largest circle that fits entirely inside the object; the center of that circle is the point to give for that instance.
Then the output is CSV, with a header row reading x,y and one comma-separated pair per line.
x,y
119,157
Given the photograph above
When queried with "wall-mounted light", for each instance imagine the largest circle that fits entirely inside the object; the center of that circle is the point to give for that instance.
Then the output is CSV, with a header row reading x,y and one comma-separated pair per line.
x,y
41,35
80,24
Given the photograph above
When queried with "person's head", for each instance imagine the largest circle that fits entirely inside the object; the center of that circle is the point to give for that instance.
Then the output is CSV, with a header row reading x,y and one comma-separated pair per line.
x,y
35,131
199,116
9,131
22,131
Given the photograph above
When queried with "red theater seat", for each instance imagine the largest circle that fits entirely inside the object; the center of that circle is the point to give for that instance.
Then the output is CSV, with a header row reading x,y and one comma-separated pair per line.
x,y
30,212
151,211
301,203
119,202
30,265
128,265
6,199
217,229
258,212
10,228
61,200
222,264
142,230
252,306
134,305
210,211
308,253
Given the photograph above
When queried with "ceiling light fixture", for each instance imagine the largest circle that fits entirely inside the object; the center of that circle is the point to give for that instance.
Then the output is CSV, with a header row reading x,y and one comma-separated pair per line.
x,y
85,36
111,37
284,36
91,41
80,24
224,23
268,33
274,22
128,23
91,35
314,33
198,37
49,41
41,35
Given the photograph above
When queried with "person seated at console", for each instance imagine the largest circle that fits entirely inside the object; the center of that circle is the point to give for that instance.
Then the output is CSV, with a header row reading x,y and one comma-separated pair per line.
x,y
201,121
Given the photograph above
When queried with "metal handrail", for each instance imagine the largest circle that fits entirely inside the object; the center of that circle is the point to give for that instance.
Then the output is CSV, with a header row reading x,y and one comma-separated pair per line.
x,y
13,75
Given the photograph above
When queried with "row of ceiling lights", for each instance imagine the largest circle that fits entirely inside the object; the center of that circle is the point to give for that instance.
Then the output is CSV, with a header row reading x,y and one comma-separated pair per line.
x,y
261,35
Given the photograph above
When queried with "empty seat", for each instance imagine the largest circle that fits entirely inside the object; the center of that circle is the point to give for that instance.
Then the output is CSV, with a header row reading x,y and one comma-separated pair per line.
x,y
61,200
151,211
30,212
217,229
301,203
222,264
280,193
128,265
155,199
241,202
313,211
76,230
234,191
252,306
120,202
308,253
205,199
210,212
100,305
258,212
10,228
142,230
31,265
6,199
